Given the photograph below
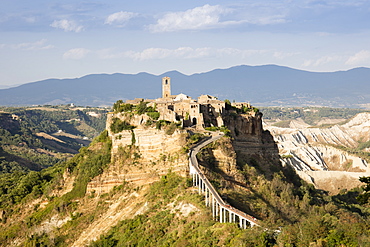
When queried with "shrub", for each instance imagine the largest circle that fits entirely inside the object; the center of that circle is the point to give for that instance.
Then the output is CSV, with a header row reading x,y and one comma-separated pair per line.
x,y
213,128
141,108
118,125
171,128
223,129
153,114
286,156
195,138
119,106
227,104
162,123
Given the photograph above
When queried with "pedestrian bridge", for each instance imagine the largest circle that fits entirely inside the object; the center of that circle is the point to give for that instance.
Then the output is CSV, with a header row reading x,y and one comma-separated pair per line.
x,y
221,210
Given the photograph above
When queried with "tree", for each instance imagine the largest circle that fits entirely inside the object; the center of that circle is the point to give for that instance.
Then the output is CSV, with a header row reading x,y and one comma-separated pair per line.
x,y
141,108
118,125
364,197
227,104
117,105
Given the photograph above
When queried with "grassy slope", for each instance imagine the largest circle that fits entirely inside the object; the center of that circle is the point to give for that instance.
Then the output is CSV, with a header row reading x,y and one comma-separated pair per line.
x,y
305,215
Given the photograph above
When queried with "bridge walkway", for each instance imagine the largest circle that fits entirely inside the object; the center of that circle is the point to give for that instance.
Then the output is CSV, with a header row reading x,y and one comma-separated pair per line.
x,y
221,210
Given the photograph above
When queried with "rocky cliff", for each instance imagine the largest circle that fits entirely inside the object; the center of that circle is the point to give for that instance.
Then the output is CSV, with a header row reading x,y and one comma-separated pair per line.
x,y
141,155
130,198
316,153
146,151
245,127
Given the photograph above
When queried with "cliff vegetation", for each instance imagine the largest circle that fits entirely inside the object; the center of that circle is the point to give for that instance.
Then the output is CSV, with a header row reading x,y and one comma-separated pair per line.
x,y
130,187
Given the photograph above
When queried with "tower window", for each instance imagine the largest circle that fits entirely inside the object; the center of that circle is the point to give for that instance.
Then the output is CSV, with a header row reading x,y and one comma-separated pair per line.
x,y
194,121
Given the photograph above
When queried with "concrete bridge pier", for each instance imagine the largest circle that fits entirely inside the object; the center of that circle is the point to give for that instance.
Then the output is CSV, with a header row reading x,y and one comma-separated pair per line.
x,y
245,223
216,206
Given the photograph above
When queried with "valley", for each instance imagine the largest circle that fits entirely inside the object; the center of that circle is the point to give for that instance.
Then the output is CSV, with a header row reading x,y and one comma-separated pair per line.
x,y
332,157
131,184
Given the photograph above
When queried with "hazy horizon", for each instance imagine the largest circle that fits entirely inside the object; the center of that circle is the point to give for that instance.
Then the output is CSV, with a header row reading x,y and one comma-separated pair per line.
x,y
49,39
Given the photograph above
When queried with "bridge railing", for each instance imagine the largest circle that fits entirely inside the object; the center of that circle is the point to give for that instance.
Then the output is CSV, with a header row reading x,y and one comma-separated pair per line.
x,y
219,207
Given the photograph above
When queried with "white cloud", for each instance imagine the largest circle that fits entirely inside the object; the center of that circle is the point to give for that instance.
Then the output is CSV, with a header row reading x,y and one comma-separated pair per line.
x,y
38,45
210,16
119,18
359,58
67,26
283,55
179,53
322,61
203,17
227,52
155,53
161,53
262,13
76,53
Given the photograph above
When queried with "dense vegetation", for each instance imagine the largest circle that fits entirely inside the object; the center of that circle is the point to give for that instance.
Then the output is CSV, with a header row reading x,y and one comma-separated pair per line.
x,y
320,221
89,163
50,119
310,115
292,212
118,125
297,213
163,226
243,109
139,109
30,163
26,135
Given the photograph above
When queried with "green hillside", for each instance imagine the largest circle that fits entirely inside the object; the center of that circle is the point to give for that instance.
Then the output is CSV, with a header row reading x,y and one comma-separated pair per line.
x,y
170,212
33,138
294,216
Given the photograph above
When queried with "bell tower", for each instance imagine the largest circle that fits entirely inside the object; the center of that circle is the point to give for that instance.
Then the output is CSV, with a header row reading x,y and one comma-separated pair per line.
x,y
166,87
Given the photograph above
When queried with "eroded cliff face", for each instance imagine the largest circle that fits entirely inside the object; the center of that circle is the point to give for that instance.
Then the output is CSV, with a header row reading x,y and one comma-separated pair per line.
x,y
253,144
220,157
245,127
141,155
314,153
249,145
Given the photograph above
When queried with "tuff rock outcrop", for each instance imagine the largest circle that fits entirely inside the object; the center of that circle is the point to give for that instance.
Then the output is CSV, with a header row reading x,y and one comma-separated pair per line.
x,y
141,155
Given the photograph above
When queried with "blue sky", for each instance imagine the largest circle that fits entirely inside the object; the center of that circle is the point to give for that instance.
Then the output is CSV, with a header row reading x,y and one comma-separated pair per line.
x,y
43,39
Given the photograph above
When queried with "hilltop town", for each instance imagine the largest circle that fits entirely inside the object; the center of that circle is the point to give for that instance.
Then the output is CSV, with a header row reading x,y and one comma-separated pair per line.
x,y
161,174
206,111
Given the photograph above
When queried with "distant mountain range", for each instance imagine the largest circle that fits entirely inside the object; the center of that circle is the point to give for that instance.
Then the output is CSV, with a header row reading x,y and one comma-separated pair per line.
x,y
267,85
